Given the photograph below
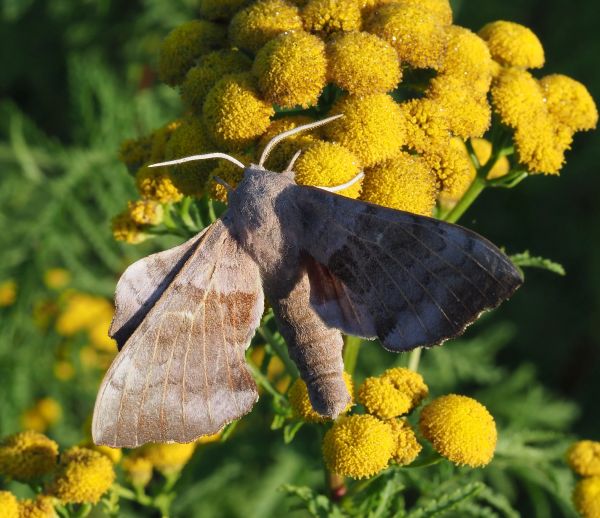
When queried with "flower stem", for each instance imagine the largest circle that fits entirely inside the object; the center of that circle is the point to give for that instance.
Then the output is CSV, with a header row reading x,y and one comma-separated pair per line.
x,y
474,190
414,358
351,350
337,487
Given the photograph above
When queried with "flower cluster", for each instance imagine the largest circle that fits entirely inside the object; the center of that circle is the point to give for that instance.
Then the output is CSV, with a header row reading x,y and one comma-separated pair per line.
x,y
361,445
583,458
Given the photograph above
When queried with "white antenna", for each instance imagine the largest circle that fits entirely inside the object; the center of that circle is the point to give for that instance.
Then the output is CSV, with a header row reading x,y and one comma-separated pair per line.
x,y
200,157
343,186
278,138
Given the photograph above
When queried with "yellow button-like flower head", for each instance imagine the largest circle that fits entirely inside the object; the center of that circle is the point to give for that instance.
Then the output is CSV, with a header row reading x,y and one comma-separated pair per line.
x,y
358,446
126,230
138,470
440,9
329,16
260,22
183,45
154,183
219,9
210,68
41,507
27,455
145,212
328,164
56,278
301,405
382,399
82,311
229,173
167,458
426,124
291,69
512,44
408,382
584,458
83,476
586,497
407,447
372,127
362,63
569,102
8,504
517,97
404,182
461,429
415,33
234,113
450,163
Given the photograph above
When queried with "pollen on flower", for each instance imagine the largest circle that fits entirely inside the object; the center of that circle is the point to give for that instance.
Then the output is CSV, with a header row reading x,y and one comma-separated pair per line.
x,y
415,33
219,9
9,505
260,22
373,127
517,97
586,497
138,470
460,429
183,45
327,164
41,507
83,476
291,69
8,293
145,212
569,102
154,183
329,16
441,9
426,124
358,446
234,113
126,230
228,172
407,446
382,399
301,405
584,458
27,455
362,63
404,182
210,68
512,44
167,458
190,138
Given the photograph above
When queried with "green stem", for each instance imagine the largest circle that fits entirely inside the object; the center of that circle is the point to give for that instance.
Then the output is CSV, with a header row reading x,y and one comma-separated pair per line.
x,y
262,380
279,348
414,359
474,190
351,349
212,216
184,213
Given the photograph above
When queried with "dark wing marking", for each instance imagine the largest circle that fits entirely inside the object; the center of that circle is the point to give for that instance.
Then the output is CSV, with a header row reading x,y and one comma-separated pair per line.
x,y
182,372
411,280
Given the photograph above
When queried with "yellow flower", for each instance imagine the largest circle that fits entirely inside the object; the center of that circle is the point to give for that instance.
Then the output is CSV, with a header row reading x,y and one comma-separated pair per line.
x,y
42,415
160,139
285,150
407,447
99,336
467,113
426,124
56,278
234,113
461,429
517,97
331,15
449,163
440,9
216,437
229,173
569,102
584,458
112,454
260,22
415,33
372,127
358,446
483,152
219,9
138,470
381,398
327,164
468,60
145,212
404,182
512,44
291,69
8,504
27,455
63,370
127,230
183,45
301,405
81,312
41,507
210,68
134,153
586,497
167,458
8,293
154,183
83,476
408,382
362,63
190,138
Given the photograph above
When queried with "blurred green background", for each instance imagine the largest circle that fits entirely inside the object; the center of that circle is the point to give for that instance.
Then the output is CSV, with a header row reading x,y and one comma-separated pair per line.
x,y
78,77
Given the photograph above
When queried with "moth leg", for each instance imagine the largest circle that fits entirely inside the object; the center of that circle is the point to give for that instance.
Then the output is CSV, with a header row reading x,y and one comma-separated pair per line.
x,y
315,348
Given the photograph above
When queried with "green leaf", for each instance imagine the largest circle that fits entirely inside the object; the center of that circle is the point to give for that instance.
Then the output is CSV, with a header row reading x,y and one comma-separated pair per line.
x,y
525,260
317,505
447,501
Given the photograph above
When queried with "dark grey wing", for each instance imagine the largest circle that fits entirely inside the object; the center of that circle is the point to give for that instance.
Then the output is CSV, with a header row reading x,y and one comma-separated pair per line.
x,y
408,280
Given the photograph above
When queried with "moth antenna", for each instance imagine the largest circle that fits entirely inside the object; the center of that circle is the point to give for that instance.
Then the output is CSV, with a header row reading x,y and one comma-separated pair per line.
x,y
289,167
223,183
343,186
206,156
278,138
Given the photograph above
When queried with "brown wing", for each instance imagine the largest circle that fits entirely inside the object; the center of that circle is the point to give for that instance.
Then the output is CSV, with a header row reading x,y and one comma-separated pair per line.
x,y
182,373
407,279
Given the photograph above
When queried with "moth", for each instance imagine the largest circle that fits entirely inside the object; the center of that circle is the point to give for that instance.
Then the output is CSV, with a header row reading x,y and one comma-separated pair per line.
x,y
327,265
